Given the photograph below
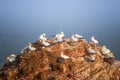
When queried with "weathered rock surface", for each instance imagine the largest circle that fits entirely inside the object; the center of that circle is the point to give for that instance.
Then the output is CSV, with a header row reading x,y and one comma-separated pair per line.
x,y
46,63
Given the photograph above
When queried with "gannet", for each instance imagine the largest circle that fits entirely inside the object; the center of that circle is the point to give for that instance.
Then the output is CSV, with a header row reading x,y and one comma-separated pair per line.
x,y
60,35
30,47
43,37
74,38
11,58
92,58
64,56
59,39
78,36
105,50
90,50
45,43
94,40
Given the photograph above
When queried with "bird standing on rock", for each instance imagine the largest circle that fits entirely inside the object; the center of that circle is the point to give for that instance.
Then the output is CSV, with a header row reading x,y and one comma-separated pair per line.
x,y
11,58
27,48
105,50
78,36
59,37
64,56
94,40
90,50
92,58
44,43
74,38
62,34
43,37
30,47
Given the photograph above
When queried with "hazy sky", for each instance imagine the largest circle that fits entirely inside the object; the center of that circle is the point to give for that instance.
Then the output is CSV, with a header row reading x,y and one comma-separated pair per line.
x,y
82,14
22,21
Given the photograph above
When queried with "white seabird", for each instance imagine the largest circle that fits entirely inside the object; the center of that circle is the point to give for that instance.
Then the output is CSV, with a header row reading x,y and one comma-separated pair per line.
x,y
43,37
74,38
45,43
92,58
90,50
105,50
94,40
60,35
11,58
30,47
59,39
64,56
78,36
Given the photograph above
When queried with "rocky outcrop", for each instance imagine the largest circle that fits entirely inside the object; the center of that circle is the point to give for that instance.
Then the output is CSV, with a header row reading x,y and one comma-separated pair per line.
x,y
45,63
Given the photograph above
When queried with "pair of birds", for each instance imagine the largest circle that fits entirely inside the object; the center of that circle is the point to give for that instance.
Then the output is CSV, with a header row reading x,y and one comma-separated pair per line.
x,y
28,47
92,54
43,39
105,51
76,37
59,37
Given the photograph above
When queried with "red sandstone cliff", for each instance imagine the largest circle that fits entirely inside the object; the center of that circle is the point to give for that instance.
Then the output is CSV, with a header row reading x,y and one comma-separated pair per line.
x,y
46,63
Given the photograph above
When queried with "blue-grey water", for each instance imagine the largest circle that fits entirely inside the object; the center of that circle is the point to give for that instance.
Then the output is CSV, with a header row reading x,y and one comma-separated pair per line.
x,y
22,21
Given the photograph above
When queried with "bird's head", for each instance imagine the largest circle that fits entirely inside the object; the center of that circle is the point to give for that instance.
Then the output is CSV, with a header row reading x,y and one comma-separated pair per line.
x,y
92,37
104,46
44,34
61,32
29,44
12,55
